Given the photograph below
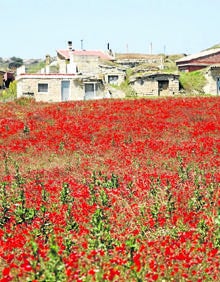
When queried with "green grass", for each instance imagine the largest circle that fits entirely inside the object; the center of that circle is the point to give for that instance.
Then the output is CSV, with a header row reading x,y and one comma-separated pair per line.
x,y
34,68
193,81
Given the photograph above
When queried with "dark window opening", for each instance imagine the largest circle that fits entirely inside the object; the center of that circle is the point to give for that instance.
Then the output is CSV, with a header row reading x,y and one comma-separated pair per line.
x,y
43,87
112,79
163,84
89,87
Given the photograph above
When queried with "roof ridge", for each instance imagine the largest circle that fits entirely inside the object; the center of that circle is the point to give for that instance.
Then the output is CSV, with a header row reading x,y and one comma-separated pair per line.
x,y
199,54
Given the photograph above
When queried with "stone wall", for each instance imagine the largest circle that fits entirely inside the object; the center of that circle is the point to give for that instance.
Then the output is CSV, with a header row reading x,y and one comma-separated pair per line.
x,y
146,87
150,86
28,86
211,76
86,64
173,86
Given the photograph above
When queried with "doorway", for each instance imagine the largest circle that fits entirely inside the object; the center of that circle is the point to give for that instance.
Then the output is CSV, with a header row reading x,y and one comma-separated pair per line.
x,y
163,85
218,85
65,90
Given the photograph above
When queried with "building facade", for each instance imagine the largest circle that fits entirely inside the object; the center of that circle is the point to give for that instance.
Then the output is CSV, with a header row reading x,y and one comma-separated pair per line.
x,y
212,76
59,87
155,84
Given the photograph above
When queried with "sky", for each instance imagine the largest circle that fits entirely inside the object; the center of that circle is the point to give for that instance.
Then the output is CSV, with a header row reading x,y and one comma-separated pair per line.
x,y
34,28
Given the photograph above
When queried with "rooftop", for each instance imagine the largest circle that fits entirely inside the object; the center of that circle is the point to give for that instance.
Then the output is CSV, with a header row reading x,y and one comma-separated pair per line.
x,y
97,53
128,56
199,55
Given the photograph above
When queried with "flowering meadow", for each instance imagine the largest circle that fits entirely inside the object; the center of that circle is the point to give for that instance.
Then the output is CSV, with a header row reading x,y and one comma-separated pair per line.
x,y
110,190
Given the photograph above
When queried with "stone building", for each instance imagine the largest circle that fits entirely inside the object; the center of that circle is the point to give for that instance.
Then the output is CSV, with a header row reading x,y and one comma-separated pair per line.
x,y
112,74
131,60
81,61
155,84
212,75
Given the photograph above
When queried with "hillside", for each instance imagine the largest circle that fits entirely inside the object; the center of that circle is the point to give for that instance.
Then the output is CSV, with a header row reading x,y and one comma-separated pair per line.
x,y
30,63
213,47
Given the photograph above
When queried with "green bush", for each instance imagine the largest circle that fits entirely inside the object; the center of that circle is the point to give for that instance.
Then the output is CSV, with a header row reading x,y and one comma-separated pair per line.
x,y
125,85
10,93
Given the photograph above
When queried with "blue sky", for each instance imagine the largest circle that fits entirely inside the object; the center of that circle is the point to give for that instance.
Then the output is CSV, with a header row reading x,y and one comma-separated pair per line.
x,y
34,28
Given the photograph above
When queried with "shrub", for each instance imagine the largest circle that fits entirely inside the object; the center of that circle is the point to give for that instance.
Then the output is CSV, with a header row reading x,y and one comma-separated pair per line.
x,y
10,93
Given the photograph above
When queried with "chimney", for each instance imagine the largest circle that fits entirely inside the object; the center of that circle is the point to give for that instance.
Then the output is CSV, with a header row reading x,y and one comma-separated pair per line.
x,y
70,45
47,60
71,66
81,44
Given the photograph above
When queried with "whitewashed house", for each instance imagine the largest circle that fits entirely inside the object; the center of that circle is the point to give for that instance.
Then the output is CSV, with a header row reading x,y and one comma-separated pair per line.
x,y
79,75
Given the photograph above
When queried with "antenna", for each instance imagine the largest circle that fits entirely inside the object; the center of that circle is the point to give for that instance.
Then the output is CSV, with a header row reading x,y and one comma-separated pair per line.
x,y
127,48
81,44
150,48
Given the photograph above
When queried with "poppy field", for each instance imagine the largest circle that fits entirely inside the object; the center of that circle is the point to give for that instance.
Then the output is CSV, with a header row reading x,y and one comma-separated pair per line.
x,y
110,190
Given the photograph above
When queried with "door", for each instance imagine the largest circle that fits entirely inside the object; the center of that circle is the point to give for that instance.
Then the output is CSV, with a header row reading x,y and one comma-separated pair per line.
x,y
90,91
163,86
65,90
218,85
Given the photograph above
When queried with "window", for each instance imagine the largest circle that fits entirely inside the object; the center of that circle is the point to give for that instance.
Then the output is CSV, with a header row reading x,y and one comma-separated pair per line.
x,y
113,79
89,87
90,90
43,87
140,81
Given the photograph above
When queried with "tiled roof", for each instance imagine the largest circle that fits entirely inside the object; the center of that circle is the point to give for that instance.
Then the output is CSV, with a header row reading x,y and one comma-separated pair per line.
x,y
199,55
66,54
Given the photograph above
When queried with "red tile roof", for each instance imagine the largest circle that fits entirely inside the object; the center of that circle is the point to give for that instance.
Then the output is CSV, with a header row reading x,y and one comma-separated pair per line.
x,y
66,54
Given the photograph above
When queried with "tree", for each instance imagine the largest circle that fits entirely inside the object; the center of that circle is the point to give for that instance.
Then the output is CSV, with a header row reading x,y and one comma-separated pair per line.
x,y
15,63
